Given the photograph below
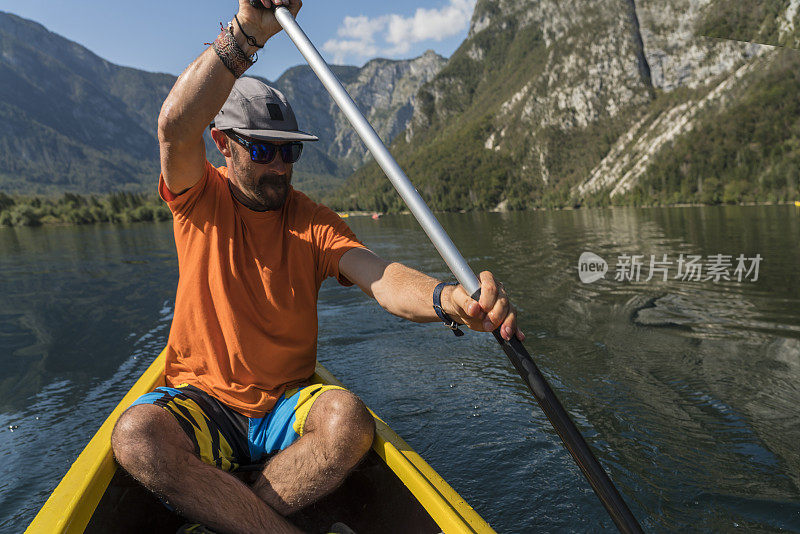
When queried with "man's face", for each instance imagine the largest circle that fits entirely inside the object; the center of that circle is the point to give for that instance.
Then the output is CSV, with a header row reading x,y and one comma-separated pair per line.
x,y
261,186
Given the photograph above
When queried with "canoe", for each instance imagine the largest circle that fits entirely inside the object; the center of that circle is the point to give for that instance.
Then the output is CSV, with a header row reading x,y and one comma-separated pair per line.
x,y
392,490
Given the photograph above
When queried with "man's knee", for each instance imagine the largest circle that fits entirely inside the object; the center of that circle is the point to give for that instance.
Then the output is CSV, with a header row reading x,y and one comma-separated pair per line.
x,y
144,441
345,420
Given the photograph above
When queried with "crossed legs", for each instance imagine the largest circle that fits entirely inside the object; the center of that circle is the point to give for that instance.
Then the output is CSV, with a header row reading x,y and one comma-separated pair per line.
x,y
149,443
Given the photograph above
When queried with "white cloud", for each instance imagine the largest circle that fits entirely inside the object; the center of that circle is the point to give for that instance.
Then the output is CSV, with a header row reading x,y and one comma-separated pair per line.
x,y
361,27
431,24
359,38
344,48
363,37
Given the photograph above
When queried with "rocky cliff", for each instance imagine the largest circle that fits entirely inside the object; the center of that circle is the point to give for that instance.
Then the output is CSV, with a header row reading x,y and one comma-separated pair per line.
x,y
774,22
384,91
706,69
553,104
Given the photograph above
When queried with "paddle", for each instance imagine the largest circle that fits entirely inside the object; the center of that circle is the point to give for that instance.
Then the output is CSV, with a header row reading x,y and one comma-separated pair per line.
x,y
514,349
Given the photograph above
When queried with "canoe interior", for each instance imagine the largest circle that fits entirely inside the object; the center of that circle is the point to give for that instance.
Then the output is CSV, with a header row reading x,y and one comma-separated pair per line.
x,y
372,499
393,490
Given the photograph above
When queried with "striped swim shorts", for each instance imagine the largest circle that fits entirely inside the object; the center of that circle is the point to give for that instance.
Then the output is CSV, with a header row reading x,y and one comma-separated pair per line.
x,y
227,439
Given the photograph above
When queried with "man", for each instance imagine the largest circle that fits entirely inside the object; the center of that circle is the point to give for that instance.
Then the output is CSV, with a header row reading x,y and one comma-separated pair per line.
x,y
252,254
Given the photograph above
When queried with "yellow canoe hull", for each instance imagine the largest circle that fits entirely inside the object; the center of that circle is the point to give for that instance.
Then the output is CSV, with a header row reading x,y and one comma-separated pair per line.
x,y
73,503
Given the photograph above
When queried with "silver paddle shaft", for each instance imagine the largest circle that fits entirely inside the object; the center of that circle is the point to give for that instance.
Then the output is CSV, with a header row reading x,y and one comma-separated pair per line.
x,y
455,261
514,349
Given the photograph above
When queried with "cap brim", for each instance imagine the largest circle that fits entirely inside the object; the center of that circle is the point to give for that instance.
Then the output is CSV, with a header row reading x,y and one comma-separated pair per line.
x,y
277,135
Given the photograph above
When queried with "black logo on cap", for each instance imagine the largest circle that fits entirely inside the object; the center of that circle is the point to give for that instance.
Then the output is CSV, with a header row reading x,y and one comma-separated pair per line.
x,y
275,112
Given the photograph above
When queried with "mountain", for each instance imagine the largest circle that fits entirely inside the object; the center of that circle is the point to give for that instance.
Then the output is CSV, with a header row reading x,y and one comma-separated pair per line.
x,y
78,123
384,91
543,105
73,121
718,130
596,102
773,22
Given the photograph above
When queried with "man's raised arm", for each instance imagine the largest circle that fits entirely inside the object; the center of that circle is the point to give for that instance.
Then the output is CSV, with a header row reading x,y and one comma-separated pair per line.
x,y
199,94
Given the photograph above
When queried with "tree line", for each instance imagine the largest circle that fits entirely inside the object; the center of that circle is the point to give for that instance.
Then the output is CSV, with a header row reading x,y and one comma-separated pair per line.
x,y
71,208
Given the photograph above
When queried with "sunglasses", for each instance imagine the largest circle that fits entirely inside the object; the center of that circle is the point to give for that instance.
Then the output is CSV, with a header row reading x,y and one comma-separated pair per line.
x,y
265,152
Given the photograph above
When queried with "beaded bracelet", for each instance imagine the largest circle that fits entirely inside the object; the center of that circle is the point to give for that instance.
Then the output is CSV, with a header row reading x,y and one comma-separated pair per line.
x,y
230,53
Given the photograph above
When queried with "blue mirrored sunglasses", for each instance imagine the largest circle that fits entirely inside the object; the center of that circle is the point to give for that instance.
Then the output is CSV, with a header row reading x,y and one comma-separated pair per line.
x,y
264,151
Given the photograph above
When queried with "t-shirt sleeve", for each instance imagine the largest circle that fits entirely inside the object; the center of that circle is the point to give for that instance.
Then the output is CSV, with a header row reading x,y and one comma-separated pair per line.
x,y
185,202
332,238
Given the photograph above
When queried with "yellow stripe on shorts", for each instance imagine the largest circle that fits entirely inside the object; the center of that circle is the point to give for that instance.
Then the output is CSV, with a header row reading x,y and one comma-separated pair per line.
x,y
202,433
308,395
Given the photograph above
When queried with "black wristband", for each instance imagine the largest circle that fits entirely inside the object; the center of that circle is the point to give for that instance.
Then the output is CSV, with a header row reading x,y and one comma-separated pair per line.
x,y
249,38
437,307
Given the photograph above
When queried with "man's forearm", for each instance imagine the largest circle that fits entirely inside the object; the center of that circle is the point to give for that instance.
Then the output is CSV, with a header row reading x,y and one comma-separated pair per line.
x,y
408,293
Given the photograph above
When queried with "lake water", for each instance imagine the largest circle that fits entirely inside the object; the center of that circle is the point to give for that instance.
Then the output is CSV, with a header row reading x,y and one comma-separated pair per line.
x,y
687,390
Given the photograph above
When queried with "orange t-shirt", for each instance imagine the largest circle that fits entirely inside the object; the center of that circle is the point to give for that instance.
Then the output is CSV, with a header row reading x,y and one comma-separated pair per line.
x,y
245,321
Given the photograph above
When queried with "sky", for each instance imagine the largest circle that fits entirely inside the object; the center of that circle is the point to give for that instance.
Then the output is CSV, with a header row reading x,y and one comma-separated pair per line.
x,y
166,35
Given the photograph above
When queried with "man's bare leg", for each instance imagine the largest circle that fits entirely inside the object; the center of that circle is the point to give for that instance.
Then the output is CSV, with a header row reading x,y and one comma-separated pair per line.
x,y
149,443
338,433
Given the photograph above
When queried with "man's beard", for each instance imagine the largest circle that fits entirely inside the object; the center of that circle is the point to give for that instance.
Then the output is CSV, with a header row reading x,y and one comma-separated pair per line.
x,y
271,190
268,192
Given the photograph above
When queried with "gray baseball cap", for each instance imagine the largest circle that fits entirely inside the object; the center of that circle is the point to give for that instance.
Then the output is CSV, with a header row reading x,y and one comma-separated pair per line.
x,y
259,111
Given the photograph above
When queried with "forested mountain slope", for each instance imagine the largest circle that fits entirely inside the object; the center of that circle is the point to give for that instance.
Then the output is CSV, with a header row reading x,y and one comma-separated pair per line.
x,y
593,102
75,122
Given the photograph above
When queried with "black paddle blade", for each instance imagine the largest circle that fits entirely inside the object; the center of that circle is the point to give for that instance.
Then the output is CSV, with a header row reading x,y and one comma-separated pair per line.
x,y
569,433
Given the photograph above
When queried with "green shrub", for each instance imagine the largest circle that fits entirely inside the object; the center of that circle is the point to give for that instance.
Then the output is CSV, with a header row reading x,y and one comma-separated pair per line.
x,y
81,215
5,201
25,215
162,213
735,192
142,213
